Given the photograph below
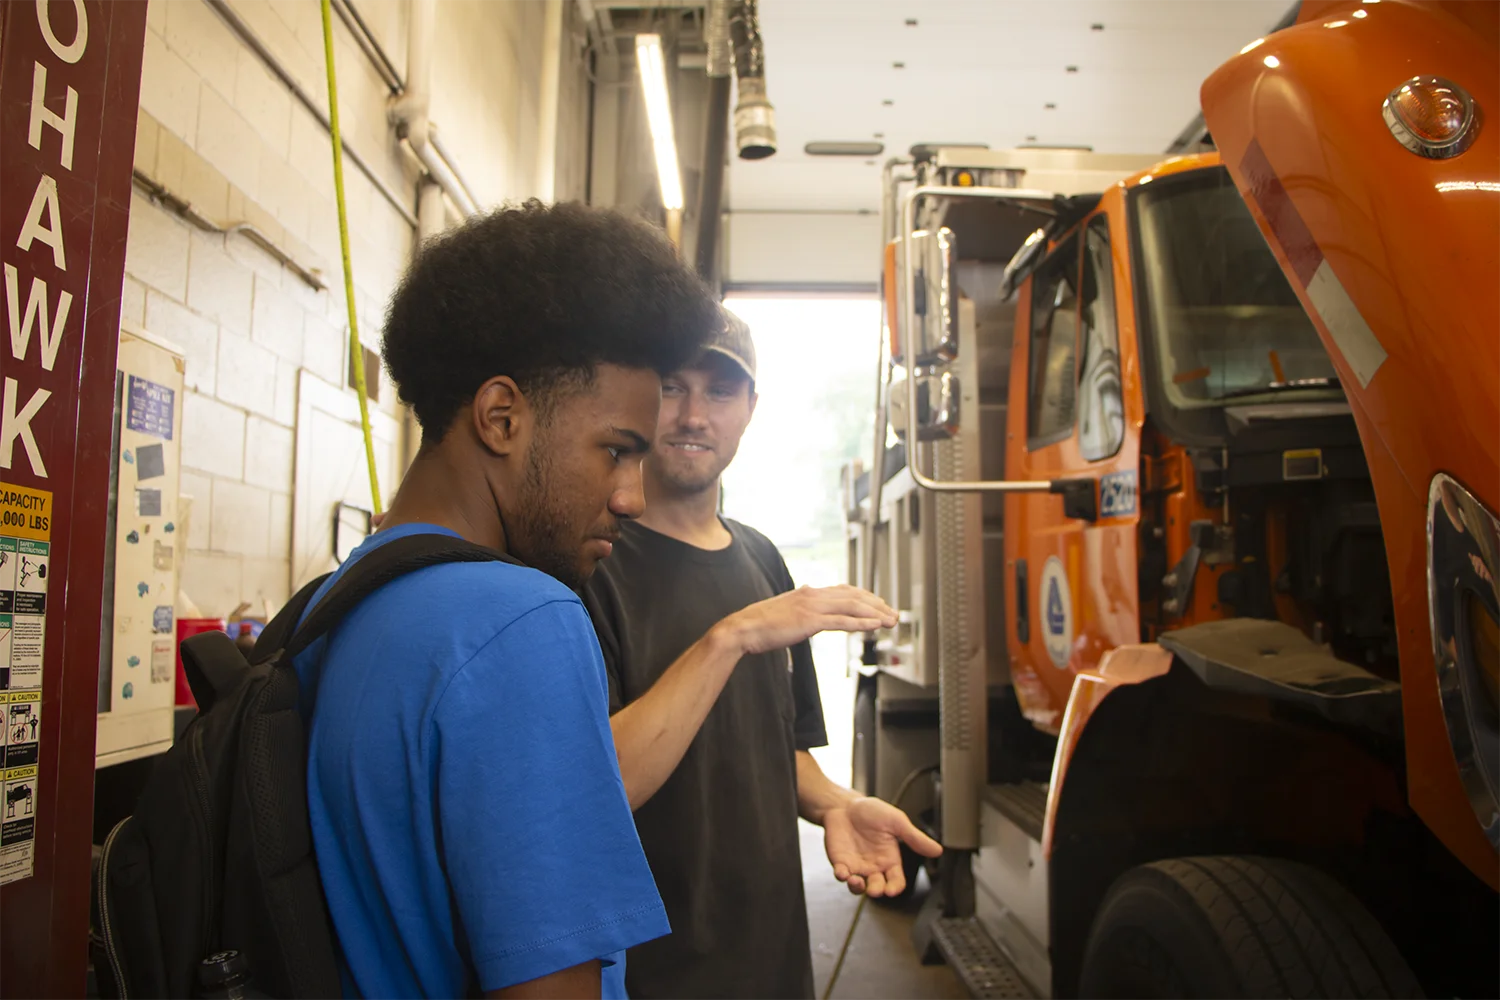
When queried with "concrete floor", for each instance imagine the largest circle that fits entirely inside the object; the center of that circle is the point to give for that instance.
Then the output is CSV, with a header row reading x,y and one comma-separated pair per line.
x,y
881,962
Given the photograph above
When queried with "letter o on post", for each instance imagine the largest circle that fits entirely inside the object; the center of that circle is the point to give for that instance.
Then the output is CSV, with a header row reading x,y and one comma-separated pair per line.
x,y
72,52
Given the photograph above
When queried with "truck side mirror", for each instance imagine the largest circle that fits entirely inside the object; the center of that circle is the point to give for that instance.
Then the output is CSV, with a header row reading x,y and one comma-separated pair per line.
x,y
1080,498
923,319
934,297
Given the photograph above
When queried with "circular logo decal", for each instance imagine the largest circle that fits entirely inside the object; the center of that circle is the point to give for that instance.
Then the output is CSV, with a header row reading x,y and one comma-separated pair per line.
x,y
1056,606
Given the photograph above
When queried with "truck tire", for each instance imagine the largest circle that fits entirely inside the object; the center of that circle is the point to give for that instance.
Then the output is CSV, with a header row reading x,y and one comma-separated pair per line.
x,y
1238,927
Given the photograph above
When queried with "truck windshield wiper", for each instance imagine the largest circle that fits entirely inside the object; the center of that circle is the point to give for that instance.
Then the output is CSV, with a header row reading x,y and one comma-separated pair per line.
x,y
1329,382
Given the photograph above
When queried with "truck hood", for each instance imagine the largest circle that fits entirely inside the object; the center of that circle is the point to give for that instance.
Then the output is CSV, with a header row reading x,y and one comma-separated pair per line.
x,y
1395,257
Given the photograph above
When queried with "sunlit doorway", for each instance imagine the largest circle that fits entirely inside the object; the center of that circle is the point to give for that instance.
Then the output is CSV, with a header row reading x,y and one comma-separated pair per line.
x,y
816,379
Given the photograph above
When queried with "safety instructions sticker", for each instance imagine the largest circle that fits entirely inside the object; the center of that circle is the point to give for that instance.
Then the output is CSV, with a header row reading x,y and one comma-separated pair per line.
x,y
25,563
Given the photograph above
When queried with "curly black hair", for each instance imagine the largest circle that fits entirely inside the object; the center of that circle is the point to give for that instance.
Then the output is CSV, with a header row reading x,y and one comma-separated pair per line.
x,y
543,294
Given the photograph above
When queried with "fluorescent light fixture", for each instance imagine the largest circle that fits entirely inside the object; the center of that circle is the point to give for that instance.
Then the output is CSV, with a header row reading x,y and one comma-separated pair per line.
x,y
648,56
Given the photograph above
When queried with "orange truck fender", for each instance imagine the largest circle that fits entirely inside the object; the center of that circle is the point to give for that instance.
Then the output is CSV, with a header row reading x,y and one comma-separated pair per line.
x,y
1119,666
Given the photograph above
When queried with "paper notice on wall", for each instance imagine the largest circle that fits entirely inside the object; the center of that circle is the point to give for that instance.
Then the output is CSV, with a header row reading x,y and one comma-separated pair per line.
x,y
25,566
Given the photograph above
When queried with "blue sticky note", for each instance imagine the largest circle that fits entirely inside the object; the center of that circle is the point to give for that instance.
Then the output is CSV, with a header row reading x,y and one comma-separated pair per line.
x,y
142,589
133,537
129,690
133,661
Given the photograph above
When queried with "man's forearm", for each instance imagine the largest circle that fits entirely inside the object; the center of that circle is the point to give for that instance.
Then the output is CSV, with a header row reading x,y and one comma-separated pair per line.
x,y
654,731
816,793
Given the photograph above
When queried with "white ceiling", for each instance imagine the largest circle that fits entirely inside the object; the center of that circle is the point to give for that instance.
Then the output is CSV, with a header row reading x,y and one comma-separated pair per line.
x,y
978,71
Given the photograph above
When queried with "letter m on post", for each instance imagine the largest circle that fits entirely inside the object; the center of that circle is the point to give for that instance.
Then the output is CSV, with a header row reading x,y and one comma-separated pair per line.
x,y
36,312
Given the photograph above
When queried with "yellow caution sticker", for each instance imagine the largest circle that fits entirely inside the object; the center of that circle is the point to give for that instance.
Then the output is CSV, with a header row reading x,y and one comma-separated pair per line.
x,y
25,512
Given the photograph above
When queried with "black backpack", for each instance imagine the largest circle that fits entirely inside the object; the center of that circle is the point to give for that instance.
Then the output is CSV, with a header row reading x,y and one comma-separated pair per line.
x,y
218,857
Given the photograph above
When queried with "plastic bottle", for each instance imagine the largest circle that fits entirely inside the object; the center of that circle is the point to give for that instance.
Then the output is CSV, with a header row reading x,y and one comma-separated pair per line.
x,y
245,641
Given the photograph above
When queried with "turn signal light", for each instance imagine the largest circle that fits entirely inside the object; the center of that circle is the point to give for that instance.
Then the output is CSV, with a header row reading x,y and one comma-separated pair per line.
x,y
1431,116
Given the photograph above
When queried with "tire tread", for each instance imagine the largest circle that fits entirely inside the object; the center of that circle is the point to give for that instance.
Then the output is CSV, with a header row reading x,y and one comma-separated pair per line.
x,y
1286,930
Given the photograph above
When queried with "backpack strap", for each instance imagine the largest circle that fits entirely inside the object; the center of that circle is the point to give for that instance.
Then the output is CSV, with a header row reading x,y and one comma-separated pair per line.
x,y
378,568
278,631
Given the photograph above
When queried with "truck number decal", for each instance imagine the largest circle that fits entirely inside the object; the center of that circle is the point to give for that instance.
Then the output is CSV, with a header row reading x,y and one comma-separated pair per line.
x,y
1117,494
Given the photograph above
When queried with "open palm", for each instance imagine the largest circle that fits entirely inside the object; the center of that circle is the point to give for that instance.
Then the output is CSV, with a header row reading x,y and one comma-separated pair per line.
x,y
864,841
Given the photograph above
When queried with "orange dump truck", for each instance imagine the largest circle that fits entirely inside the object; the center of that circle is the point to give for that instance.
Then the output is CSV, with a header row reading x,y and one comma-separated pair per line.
x,y
1191,517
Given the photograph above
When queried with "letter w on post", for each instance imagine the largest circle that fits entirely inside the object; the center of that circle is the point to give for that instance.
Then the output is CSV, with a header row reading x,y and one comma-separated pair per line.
x,y
36,309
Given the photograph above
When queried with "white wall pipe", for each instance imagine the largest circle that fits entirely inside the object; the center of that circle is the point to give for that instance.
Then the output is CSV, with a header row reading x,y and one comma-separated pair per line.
x,y
410,111
551,81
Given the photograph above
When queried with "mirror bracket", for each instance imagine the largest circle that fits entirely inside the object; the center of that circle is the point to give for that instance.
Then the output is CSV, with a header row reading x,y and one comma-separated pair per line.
x,y
1080,499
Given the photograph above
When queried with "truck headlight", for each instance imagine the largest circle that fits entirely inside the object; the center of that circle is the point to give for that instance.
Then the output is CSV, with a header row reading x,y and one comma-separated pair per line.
x,y
1463,558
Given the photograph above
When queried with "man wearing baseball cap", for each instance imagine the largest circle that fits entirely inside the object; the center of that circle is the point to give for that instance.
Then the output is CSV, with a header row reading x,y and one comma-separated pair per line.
x,y
714,705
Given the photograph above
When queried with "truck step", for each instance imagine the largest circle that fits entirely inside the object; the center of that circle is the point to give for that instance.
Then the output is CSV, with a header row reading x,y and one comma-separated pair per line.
x,y
977,961
1024,803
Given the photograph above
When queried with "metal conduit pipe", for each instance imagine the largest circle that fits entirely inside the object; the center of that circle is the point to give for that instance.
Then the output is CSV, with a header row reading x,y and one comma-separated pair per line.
x,y
889,181
754,118
369,45
715,139
409,111
253,42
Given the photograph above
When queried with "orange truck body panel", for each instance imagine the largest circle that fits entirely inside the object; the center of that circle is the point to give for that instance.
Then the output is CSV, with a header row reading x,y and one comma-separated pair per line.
x,y
1395,258
1098,561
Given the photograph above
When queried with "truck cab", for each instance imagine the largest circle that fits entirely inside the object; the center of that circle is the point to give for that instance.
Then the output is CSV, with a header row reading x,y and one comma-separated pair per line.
x,y
1149,665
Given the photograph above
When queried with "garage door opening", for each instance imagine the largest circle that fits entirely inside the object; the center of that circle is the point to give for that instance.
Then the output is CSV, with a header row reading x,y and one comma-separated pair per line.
x,y
816,371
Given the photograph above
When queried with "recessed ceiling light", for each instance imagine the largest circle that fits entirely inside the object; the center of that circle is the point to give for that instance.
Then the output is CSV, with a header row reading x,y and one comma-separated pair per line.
x,y
911,22
826,148
1072,69
887,102
898,65
1050,106
1096,26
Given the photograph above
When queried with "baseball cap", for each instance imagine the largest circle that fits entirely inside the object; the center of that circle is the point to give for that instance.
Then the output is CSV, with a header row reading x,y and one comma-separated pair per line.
x,y
733,341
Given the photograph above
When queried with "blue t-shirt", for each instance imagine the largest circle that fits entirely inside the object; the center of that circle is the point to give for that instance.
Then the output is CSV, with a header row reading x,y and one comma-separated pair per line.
x,y
470,824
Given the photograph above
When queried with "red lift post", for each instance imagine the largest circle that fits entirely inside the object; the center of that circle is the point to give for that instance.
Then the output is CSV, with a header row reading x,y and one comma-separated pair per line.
x,y
70,73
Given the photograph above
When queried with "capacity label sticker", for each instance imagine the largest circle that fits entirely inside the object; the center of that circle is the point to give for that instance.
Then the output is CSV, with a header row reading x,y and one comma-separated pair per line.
x,y
25,566
25,512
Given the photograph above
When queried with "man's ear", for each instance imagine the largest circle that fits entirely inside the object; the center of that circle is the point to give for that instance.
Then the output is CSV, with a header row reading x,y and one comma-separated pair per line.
x,y
503,417
754,398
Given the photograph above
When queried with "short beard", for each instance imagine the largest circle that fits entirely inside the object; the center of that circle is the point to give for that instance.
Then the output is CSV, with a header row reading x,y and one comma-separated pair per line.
x,y
685,485
537,532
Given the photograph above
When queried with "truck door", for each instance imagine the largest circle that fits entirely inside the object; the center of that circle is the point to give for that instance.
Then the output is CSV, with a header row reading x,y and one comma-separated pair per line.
x,y
1071,580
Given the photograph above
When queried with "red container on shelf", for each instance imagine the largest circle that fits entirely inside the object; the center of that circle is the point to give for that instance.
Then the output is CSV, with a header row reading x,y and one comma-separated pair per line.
x,y
187,628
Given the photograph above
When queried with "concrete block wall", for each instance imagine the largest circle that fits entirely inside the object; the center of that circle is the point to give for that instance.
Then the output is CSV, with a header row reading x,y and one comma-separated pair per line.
x,y
221,132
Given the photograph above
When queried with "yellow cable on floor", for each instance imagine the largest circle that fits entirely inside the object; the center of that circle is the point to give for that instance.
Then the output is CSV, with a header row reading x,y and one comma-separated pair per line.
x,y
357,361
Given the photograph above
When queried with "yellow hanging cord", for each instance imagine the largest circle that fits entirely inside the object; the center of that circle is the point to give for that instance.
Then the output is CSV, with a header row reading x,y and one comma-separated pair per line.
x,y
356,352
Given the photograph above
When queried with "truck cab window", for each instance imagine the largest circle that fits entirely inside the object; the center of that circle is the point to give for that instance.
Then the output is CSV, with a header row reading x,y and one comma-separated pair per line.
x,y
1101,410
1054,346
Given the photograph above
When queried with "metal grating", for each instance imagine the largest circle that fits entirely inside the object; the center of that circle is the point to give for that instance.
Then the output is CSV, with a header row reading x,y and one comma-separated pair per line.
x,y
977,961
953,624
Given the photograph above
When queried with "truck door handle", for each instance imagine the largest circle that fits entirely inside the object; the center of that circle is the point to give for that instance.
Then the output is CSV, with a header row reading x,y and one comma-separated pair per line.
x,y
1023,611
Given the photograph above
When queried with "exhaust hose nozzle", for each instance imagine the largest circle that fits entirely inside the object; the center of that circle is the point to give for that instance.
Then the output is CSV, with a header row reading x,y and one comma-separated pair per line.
x,y
754,121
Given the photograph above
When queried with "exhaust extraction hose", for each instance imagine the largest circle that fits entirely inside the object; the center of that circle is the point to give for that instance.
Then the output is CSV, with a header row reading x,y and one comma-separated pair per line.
x,y
754,118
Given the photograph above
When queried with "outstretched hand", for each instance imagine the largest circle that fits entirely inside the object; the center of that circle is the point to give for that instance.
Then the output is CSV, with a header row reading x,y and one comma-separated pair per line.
x,y
789,618
864,839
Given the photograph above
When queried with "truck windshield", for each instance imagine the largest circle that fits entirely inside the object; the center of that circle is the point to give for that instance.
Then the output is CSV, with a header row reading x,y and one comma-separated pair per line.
x,y
1226,323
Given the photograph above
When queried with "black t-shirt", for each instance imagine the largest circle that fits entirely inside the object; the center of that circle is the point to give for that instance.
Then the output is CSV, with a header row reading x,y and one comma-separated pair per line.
x,y
721,833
